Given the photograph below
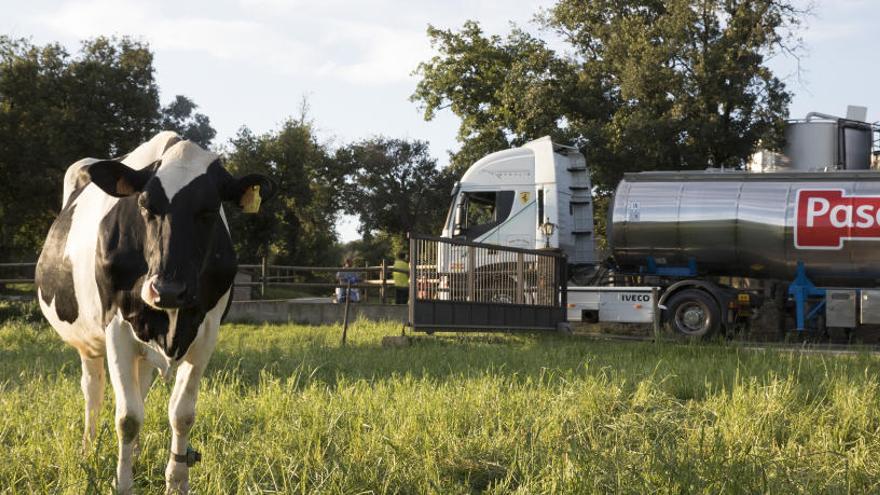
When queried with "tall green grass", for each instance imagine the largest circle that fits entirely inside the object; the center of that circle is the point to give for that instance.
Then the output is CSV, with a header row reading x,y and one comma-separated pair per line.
x,y
285,409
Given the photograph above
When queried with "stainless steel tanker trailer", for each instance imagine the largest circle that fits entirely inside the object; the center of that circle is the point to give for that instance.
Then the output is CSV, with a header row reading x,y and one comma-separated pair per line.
x,y
798,234
714,241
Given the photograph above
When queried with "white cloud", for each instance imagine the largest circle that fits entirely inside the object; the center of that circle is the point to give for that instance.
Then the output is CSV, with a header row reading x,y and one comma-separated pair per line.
x,y
838,21
823,31
299,42
383,54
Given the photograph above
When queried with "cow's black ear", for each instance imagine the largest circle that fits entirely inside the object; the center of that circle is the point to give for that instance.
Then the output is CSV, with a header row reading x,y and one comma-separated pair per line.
x,y
118,179
243,191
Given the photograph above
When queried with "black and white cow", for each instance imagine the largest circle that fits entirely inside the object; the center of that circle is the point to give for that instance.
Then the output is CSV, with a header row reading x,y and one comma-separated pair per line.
x,y
138,267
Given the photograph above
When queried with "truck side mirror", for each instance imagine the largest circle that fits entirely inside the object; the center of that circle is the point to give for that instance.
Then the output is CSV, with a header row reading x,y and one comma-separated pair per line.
x,y
459,220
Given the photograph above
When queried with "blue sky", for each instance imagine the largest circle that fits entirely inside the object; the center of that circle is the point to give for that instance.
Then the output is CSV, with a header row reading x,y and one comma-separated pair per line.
x,y
250,62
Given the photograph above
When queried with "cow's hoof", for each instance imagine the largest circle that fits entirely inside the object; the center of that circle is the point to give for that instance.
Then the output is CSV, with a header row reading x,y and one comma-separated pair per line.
x,y
177,488
124,488
176,479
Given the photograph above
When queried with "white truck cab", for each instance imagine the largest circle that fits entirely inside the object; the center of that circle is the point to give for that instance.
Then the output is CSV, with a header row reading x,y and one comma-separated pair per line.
x,y
535,196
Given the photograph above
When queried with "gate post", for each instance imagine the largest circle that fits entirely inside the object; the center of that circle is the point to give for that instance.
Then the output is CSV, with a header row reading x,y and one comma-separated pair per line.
x,y
562,284
414,260
264,273
382,286
471,275
520,275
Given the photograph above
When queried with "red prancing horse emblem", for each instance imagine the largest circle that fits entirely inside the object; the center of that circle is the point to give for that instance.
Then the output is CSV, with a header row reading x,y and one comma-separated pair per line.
x,y
827,217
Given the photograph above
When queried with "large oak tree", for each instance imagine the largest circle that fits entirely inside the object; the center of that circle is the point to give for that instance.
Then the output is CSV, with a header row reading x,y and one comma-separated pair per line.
x,y
641,84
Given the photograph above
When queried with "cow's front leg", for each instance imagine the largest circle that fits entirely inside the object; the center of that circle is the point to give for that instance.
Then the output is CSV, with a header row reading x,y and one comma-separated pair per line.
x,y
92,383
182,415
182,406
122,360
146,373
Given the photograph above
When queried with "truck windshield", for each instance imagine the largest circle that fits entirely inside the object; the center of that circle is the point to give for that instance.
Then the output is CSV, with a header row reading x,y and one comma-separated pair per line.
x,y
485,210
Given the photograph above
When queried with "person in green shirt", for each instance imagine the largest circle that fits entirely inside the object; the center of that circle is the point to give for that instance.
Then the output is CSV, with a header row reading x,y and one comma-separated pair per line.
x,y
401,280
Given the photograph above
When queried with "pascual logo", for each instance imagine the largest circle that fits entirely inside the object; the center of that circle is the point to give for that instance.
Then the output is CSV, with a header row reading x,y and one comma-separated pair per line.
x,y
632,297
827,217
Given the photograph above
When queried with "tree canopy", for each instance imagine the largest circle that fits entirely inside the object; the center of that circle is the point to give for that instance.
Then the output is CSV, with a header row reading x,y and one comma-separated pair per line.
x,y
643,84
181,117
297,227
103,101
56,108
636,84
394,186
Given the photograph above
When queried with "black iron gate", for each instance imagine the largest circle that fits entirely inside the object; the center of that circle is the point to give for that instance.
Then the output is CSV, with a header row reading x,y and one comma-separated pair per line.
x,y
458,285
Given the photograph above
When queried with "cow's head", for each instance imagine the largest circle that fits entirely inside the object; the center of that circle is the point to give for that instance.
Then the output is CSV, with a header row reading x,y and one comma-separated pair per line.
x,y
179,200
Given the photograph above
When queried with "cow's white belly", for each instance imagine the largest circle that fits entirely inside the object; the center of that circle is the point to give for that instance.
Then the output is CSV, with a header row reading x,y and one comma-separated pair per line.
x,y
86,333
86,336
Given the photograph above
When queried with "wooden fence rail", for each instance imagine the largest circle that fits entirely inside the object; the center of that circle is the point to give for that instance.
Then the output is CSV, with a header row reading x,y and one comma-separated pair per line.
x,y
17,273
264,276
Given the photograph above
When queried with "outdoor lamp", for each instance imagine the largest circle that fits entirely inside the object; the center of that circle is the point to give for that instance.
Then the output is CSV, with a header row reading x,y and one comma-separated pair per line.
x,y
547,229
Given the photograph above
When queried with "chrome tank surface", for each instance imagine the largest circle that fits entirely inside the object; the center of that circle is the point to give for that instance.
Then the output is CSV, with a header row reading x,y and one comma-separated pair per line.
x,y
746,224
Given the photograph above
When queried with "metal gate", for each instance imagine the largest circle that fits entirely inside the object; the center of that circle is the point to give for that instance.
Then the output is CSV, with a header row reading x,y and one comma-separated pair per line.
x,y
465,286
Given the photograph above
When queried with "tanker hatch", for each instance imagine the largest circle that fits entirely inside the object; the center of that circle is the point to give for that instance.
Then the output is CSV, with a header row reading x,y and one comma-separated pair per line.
x,y
823,143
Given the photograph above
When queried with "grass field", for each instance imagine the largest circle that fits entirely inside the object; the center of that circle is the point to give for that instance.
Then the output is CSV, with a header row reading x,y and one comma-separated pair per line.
x,y
285,409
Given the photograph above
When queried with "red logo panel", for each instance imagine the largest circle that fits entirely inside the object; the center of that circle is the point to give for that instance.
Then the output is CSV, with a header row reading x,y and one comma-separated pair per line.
x,y
827,217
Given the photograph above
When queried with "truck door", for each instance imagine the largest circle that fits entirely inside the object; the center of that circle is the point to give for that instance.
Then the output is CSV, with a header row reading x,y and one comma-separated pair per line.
x,y
481,211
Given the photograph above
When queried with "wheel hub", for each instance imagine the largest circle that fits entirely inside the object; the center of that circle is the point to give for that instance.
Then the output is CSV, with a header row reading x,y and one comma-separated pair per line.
x,y
693,317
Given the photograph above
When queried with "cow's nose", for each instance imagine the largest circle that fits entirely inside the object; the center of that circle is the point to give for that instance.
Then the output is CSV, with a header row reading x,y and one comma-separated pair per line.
x,y
171,294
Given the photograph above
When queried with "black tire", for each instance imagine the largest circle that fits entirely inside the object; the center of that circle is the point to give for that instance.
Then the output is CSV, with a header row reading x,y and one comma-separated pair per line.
x,y
498,290
838,335
500,296
693,313
564,328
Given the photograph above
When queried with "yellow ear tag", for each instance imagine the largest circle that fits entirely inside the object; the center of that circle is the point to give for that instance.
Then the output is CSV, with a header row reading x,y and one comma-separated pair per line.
x,y
250,200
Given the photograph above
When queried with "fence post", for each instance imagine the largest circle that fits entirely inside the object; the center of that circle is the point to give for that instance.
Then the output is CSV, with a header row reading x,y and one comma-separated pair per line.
x,y
345,316
366,295
264,272
382,277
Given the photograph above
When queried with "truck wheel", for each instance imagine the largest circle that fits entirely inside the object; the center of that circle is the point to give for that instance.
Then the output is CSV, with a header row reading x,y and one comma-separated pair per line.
x,y
501,296
498,290
693,313
564,328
